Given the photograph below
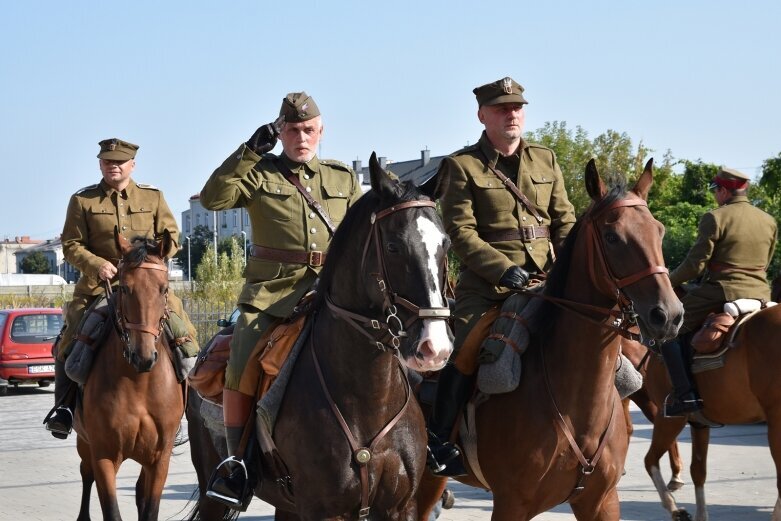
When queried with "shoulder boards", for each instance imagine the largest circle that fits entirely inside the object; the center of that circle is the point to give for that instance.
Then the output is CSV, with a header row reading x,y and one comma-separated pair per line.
x,y
269,156
467,149
336,164
82,190
147,187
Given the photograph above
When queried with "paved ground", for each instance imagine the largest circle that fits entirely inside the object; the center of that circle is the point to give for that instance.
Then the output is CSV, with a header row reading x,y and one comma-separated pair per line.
x,y
39,477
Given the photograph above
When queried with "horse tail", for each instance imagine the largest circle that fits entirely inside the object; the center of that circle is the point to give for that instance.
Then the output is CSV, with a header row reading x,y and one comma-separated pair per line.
x,y
195,513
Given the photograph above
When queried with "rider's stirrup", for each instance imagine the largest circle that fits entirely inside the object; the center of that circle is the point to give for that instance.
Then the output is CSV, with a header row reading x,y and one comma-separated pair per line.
x,y
242,502
60,430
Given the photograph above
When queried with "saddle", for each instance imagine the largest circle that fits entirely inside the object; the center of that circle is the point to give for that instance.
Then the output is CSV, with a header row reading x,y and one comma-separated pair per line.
x,y
717,334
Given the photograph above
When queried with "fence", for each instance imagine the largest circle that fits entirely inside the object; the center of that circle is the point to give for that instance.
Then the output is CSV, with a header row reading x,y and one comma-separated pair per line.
x,y
204,316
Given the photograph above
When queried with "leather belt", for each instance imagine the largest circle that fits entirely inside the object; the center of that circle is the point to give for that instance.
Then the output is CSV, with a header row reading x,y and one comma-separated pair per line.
x,y
717,267
312,258
524,233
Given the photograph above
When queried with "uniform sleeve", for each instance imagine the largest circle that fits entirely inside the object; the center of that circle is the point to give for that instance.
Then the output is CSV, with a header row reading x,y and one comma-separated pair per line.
x,y
461,225
74,240
234,182
356,191
561,211
700,253
164,220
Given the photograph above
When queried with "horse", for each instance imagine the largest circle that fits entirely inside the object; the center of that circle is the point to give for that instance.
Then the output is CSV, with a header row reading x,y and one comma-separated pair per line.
x,y
131,403
532,443
348,432
744,390
638,355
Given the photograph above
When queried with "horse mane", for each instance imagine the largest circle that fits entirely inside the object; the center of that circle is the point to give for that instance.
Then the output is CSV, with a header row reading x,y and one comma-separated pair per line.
x,y
556,281
348,230
142,249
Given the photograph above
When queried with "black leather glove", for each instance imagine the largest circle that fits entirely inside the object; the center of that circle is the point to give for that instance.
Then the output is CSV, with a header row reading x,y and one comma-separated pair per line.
x,y
514,278
265,138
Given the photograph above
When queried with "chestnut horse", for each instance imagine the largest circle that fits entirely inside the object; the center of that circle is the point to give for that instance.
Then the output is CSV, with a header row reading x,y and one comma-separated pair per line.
x,y
132,402
639,355
560,435
745,390
348,431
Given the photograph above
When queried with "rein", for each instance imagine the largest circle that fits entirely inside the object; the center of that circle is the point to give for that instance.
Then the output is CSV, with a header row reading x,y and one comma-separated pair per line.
x,y
120,322
393,329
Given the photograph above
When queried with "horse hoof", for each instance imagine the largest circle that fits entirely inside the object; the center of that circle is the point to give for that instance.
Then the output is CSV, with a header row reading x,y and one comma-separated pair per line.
x,y
448,499
675,484
681,515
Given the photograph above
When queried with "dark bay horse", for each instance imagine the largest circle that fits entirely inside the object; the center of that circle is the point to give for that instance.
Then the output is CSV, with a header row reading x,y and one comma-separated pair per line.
x,y
745,390
560,435
347,431
132,402
639,356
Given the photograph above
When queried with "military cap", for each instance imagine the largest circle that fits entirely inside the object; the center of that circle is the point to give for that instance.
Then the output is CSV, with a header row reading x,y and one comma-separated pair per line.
x,y
297,107
117,150
730,179
506,90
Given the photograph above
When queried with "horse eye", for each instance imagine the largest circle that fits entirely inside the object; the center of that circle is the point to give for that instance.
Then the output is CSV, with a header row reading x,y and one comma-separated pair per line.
x,y
392,247
611,237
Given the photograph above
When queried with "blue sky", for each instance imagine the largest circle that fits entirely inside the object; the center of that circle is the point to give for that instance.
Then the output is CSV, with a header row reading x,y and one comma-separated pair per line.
x,y
189,81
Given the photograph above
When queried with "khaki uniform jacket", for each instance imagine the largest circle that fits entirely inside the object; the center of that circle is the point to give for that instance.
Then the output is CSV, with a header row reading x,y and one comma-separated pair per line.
x,y
738,235
93,212
477,203
281,218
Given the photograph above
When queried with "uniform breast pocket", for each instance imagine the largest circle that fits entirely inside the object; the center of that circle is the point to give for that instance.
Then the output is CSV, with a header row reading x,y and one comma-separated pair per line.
x,y
142,218
543,187
491,196
101,221
276,201
336,198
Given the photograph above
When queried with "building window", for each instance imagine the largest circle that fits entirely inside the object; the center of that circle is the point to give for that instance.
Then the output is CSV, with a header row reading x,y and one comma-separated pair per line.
x,y
187,224
235,218
197,219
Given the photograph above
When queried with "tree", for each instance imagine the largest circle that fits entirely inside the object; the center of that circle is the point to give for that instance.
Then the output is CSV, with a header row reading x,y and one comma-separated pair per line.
x,y
219,278
201,237
697,176
36,262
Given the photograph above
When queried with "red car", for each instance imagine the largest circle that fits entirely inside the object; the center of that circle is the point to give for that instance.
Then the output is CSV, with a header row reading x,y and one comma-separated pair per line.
x,y
26,338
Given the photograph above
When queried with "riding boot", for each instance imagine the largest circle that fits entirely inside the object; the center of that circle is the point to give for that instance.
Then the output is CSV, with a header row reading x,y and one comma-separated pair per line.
x,y
453,391
233,490
684,398
60,422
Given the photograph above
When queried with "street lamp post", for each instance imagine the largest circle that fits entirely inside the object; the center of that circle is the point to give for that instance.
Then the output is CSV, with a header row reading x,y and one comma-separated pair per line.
x,y
189,265
244,238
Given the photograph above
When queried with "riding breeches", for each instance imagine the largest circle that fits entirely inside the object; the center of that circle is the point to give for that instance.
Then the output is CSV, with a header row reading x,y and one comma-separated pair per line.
x,y
250,326
696,309
469,308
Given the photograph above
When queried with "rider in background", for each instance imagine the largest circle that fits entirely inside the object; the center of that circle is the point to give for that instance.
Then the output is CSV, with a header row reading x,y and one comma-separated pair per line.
x,y
499,237
117,202
289,241
732,252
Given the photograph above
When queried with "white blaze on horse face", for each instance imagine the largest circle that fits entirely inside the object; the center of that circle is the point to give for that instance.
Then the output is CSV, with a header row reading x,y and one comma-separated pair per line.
x,y
434,346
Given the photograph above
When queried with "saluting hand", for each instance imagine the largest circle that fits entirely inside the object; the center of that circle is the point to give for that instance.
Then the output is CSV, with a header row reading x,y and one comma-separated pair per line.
x,y
107,271
265,138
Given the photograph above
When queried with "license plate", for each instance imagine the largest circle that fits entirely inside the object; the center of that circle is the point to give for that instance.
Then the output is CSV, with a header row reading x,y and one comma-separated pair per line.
x,y
35,369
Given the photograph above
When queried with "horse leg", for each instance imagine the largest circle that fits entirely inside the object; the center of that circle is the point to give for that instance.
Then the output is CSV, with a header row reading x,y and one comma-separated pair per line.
x,y
665,431
509,508
774,441
608,510
699,469
676,466
429,494
87,479
149,488
105,471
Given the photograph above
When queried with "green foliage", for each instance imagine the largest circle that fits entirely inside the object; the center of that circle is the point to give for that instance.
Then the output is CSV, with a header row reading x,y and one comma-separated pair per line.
x,y
199,240
219,278
680,221
697,176
36,262
771,176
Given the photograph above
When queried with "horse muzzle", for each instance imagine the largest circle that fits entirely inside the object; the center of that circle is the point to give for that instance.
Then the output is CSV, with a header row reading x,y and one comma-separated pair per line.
x,y
433,348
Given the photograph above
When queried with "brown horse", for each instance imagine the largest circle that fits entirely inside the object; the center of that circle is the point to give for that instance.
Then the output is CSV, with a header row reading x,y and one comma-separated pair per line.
x,y
560,436
745,390
132,402
639,355
348,431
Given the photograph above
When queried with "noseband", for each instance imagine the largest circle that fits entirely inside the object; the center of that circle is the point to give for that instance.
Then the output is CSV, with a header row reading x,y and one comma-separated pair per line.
x,y
120,321
393,329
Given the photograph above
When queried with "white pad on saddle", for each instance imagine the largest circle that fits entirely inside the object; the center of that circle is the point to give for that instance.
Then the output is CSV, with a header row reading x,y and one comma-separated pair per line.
x,y
742,306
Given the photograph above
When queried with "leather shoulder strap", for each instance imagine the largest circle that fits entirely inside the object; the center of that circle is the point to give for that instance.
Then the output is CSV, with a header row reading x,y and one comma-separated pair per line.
x,y
515,190
313,204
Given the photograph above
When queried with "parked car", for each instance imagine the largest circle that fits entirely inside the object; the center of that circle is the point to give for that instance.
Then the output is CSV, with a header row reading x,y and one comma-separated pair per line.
x,y
26,338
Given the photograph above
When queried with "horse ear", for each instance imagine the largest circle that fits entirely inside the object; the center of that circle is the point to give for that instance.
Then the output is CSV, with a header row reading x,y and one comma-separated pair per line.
x,y
381,181
436,186
594,185
123,244
643,185
164,244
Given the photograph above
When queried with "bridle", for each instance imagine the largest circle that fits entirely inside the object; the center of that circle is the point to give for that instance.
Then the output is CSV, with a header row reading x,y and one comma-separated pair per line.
x,y
386,335
121,323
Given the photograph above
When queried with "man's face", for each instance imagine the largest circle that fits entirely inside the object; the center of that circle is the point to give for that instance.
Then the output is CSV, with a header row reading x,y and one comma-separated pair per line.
x,y
115,172
300,140
503,122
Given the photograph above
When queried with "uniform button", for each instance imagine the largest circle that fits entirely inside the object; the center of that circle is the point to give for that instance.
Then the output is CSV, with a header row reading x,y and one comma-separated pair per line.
x,y
489,184
312,215
313,245
306,176
121,215
120,204
544,179
524,218
308,188
124,227
238,156
313,230
340,193
278,190
531,248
